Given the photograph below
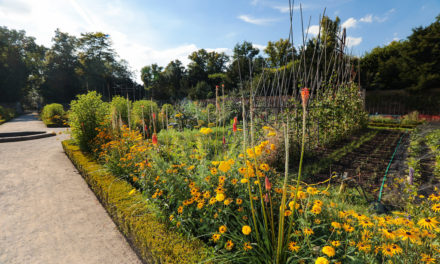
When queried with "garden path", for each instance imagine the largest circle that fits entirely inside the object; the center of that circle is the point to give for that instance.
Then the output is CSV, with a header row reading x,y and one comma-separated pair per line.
x,y
47,212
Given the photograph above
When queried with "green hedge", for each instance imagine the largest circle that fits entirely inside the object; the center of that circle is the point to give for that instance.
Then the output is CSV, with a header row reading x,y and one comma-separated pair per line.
x,y
53,115
134,216
6,114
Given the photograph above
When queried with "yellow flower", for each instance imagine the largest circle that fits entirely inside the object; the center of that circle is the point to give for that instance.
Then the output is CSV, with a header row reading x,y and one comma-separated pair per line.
x,y
321,260
171,217
180,209
224,166
264,167
388,233
132,192
246,230
213,171
408,234
250,152
257,151
387,250
247,246
396,249
336,243
228,201
427,258
293,247
312,190
200,205
362,246
229,245
316,209
191,167
220,197
271,134
308,231
239,201
428,223
336,225
216,237
222,229
272,146
436,207
205,130
244,180
329,251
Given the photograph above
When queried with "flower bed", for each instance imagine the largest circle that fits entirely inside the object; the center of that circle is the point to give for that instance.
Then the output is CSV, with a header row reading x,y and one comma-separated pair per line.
x,y
134,215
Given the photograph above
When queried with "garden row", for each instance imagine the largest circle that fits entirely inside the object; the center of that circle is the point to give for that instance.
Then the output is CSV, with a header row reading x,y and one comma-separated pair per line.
x,y
218,178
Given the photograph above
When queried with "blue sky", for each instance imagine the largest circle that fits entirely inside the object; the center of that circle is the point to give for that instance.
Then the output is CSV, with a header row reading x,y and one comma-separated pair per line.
x,y
154,31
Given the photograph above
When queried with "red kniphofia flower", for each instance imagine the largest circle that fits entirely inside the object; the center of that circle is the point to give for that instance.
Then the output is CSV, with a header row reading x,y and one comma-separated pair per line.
x,y
267,184
154,116
154,138
234,125
266,199
224,140
305,94
216,87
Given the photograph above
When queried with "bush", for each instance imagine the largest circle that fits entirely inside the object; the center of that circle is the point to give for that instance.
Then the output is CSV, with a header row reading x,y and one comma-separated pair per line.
x,y
135,217
53,114
144,108
6,114
86,115
120,108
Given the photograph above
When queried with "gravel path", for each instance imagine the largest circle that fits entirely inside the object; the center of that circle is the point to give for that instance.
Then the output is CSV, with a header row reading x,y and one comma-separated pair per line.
x,y
47,212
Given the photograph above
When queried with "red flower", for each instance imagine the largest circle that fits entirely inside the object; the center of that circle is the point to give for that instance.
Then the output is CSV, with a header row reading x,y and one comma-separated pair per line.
x,y
154,139
154,116
268,184
234,125
224,140
305,94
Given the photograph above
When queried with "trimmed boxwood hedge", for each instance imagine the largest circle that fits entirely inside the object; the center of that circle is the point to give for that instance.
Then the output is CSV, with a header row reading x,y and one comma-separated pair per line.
x,y
134,216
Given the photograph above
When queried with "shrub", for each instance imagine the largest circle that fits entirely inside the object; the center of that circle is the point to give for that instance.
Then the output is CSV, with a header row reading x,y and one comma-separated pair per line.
x,y
120,108
167,109
6,114
144,108
53,114
86,114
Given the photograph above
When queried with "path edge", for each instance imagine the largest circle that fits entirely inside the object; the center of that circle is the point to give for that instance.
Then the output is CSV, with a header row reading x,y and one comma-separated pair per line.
x,y
152,241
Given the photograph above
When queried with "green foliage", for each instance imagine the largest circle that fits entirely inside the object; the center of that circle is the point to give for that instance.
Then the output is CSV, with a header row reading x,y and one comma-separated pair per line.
x,y
134,215
86,114
145,108
167,109
20,64
6,114
120,107
408,64
53,114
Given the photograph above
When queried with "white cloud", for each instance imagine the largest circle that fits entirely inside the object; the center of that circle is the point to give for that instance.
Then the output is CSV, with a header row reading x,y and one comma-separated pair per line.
x,y
258,46
352,41
367,19
350,23
41,18
314,30
255,21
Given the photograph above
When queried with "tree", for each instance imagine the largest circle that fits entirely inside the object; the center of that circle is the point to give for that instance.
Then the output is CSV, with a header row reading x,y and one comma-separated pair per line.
x,y
61,61
20,61
246,63
279,53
